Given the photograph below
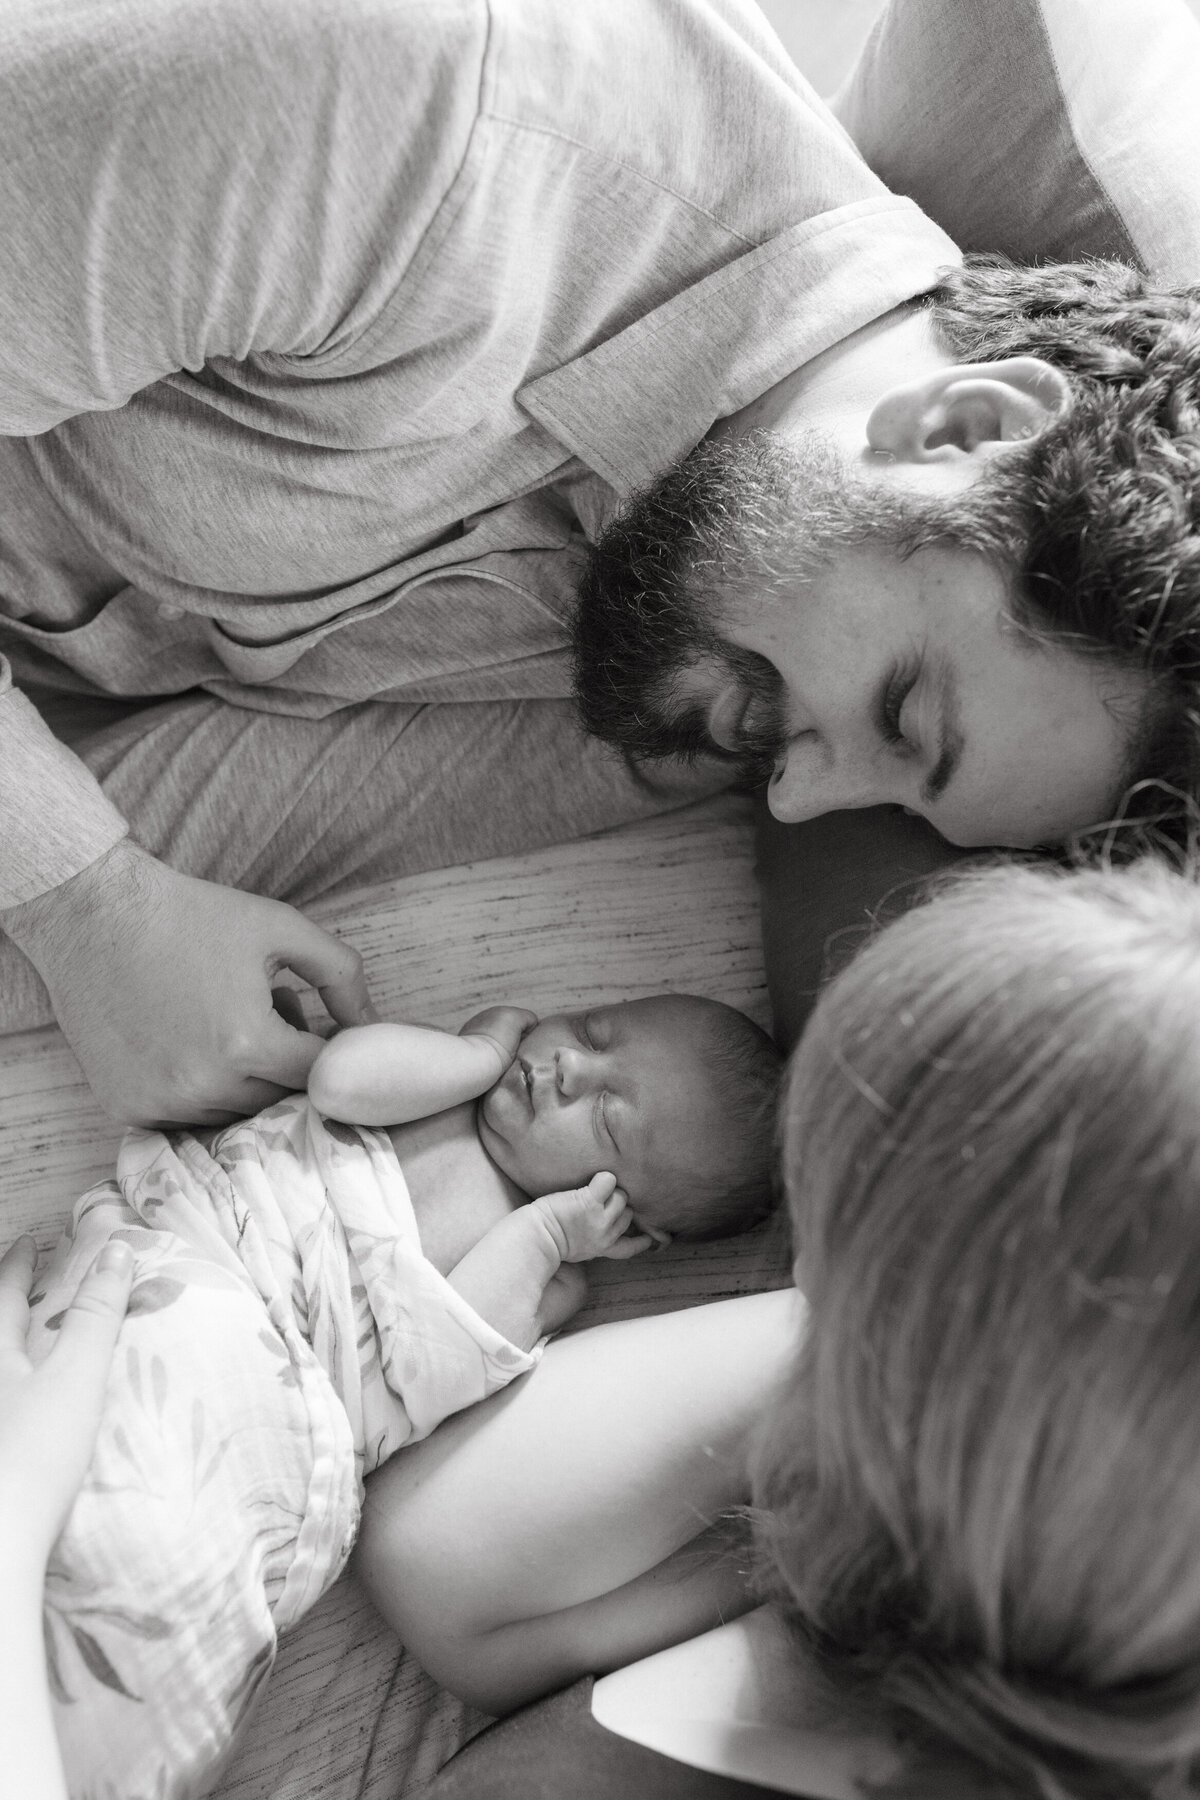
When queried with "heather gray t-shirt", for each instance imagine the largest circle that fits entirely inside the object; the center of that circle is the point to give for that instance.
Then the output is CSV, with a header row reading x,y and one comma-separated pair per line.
x,y
329,328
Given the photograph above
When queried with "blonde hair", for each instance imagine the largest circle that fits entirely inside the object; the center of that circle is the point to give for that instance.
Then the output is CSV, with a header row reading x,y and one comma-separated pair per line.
x,y
980,1494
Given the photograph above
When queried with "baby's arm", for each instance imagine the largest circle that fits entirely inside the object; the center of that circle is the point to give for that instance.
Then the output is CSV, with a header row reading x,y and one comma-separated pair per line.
x,y
515,1276
387,1074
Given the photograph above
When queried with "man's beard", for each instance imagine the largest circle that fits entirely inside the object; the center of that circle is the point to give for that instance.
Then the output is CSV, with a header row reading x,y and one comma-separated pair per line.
x,y
741,523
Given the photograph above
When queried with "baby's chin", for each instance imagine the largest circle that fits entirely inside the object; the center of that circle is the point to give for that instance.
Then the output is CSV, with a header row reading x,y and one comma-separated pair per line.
x,y
498,1147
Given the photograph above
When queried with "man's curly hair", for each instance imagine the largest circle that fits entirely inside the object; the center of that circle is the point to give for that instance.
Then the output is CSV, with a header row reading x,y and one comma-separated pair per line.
x,y
1098,517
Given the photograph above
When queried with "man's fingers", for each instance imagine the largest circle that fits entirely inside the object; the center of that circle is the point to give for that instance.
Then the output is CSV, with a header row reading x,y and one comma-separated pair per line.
x,y
286,1002
333,968
281,1064
93,1319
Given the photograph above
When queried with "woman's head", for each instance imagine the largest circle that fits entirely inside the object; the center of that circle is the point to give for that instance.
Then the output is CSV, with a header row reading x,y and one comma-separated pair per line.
x,y
981,1494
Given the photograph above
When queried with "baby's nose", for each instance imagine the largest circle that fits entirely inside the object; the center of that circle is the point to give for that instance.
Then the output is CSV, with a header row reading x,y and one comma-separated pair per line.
x,y
572,1071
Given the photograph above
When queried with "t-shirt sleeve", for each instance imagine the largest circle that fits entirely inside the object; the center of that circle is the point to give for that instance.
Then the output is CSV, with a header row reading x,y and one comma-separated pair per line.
x,y
231,178
54,817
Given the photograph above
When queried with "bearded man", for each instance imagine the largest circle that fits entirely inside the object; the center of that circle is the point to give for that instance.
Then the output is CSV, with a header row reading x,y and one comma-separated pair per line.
x,y
332,337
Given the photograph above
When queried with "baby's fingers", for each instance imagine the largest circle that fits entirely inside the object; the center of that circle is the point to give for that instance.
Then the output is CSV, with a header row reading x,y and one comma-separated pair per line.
x,y
505,1025
627,1246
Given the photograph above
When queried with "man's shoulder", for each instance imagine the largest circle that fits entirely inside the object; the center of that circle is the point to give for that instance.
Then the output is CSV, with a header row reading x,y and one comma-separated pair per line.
x,y
700,101
271,43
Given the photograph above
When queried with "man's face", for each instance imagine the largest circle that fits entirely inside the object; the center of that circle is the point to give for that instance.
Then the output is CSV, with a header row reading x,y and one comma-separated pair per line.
x,y
845,676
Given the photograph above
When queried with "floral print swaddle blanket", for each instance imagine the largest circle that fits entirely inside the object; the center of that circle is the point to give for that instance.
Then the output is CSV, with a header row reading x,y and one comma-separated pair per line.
x,y
285,1335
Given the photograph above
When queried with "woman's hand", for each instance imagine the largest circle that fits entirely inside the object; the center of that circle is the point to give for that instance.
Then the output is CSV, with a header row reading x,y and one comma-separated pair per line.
x,y
49,1415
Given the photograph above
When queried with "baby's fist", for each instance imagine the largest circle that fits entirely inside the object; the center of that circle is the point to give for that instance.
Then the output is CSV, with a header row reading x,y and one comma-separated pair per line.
x,y
505,1026
592,1221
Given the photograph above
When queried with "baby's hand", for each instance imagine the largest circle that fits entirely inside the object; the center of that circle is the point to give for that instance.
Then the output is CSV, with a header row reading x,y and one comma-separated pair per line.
x,y
504,1026
592,1221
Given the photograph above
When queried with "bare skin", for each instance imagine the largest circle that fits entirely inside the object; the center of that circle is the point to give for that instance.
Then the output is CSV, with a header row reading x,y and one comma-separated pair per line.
x,y
49,1416
566,1525
511,1252
162,985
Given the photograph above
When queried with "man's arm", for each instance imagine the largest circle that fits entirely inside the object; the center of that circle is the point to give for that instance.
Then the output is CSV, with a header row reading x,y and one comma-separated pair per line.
x,y
163,987
217,178
169,200
54,817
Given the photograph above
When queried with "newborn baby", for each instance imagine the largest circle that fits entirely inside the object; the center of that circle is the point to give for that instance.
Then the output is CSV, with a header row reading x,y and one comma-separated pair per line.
x,y
654,1113
310,1295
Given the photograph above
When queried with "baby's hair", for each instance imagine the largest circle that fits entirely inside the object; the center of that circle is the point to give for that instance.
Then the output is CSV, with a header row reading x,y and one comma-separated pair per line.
x,y
979,1493
740,1190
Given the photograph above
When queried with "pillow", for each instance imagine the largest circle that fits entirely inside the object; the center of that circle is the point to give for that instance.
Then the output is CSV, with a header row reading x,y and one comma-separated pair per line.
x,y
1049,129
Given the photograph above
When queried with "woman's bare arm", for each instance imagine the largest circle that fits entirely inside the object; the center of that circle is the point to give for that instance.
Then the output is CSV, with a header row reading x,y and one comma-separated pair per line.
x,y
549,1532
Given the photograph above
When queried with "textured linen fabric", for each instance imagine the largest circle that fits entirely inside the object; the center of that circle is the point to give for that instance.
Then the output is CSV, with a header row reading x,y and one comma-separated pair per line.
x,y
285,1336
328,331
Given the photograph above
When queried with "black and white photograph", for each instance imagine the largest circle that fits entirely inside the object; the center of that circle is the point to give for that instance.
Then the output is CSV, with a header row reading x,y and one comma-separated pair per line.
x,y
599,899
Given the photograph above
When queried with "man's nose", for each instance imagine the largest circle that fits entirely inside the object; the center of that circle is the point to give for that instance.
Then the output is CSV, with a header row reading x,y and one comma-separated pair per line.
x,y
813,779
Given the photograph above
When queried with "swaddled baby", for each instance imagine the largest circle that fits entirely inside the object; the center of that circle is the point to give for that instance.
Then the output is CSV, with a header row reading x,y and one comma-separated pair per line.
x,y
311,1295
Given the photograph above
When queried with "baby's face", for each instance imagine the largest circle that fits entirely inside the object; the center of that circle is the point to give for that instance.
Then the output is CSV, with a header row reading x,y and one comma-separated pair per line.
x,y
621,1088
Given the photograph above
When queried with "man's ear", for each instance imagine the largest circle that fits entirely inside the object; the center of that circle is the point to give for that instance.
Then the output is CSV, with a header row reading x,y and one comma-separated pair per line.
x,y
968,409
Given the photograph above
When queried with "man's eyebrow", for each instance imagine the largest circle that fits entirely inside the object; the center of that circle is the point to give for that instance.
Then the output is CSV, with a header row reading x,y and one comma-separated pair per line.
x,y
950,738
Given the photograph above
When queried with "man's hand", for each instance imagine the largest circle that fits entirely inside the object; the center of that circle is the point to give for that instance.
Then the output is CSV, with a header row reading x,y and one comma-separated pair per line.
x,y
592,1221
162,986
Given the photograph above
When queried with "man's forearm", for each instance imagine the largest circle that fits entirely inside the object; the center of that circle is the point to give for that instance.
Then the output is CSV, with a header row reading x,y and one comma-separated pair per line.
x,y
54,818
111,884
